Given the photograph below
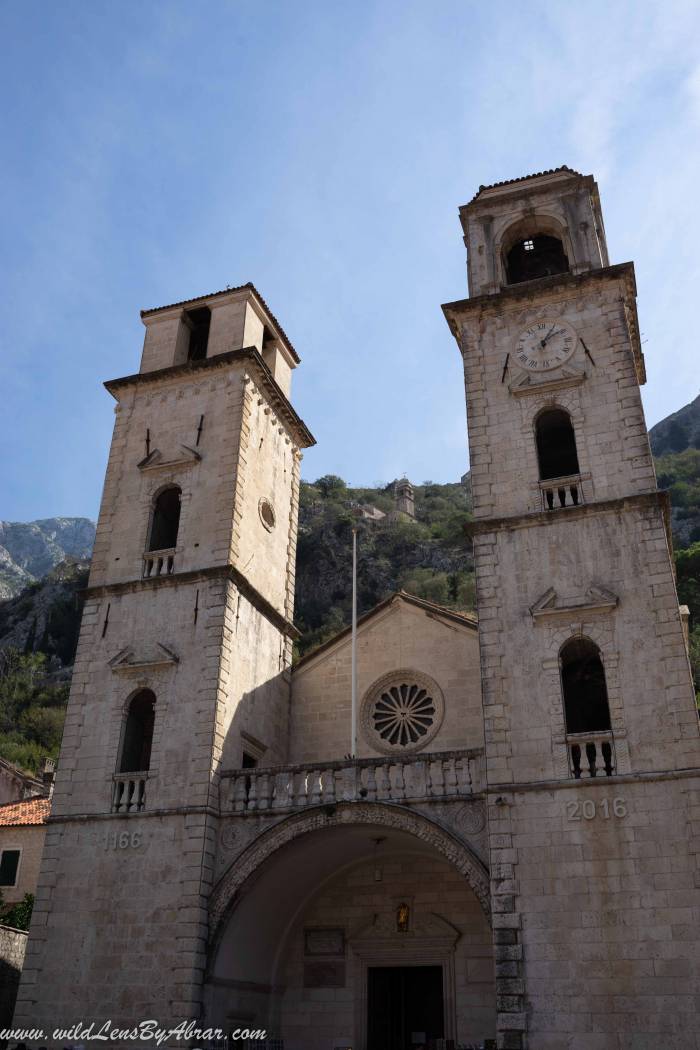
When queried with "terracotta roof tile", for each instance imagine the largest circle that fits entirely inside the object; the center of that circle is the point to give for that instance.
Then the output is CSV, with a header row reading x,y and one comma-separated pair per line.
x,y
524,178
30,811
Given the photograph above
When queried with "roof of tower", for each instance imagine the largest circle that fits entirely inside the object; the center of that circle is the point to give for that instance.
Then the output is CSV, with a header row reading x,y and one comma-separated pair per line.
x,y
564,169
248,286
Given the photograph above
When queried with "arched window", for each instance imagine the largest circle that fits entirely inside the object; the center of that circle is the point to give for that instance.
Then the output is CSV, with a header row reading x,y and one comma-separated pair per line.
x,y
584,688
586,708
138,733
537,255
166,520
556,444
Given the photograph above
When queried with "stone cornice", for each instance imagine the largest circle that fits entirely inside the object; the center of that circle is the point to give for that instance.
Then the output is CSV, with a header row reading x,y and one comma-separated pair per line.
x,y
194,369
214,572
513,296
530,519
588,783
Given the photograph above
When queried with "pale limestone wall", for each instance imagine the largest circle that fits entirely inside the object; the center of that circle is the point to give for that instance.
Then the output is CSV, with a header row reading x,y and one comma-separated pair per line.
x,y
165,341
321,1018
560,205
254,687
195,696
400,638
30,840
171,410
605,407
247,453
268,468
650,691
608,911
117,932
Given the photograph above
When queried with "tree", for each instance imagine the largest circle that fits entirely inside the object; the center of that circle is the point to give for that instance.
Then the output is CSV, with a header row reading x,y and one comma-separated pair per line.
x,y
330,485
19,915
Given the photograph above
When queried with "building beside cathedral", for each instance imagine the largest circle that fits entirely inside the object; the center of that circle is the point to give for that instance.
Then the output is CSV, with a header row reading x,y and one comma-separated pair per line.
x,y
513,853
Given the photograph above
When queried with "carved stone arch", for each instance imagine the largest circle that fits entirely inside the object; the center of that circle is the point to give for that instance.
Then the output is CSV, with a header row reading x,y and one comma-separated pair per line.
x,y
535,222
227,891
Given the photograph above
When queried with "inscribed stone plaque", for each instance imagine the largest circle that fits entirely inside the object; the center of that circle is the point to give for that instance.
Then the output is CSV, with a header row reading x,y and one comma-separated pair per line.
x,y
326,974
324,942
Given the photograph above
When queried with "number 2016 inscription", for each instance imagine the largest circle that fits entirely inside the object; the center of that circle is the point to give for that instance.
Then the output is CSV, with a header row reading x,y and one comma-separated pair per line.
x,y
588,809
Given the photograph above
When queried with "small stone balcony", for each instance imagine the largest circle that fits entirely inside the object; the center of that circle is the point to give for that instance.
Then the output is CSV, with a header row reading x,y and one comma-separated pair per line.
x,y
159,563
444,776
562,492
591,755
129,792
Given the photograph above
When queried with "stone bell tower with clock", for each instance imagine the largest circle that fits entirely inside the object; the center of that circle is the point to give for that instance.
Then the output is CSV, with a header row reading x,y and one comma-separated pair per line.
x,y
591,728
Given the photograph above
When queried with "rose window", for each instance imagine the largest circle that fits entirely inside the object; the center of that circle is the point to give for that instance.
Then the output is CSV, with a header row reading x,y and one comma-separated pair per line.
x,y
402,712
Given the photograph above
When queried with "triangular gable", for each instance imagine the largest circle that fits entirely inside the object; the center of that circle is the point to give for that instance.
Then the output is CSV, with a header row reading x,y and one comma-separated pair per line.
x,y
154,460
448,617
596,599
149,658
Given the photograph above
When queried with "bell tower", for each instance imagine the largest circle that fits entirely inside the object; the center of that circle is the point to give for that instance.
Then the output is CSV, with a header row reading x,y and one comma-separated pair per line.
x,y
590,722
182,667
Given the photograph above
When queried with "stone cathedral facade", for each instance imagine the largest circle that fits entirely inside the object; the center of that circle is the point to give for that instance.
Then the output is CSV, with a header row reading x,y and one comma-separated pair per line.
x,y
513,853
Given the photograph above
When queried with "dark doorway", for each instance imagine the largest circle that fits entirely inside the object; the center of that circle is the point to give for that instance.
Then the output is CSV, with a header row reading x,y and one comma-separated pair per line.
x,y
404,1007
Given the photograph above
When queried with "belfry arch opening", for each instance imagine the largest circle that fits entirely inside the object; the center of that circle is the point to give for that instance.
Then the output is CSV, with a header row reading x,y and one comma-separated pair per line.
x,y
556,444
533,256
137,739
165,520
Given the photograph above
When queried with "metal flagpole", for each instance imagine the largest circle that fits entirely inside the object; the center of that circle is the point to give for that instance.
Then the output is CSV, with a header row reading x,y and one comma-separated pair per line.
x,y
353,675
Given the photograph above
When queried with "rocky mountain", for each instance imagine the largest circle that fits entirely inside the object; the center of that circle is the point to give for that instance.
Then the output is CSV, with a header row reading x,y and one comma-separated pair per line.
x,y
45,616
677,432
29,550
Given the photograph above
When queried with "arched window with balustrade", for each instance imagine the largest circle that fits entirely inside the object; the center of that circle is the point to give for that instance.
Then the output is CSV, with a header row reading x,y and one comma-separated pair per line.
x,y
557,458
586,708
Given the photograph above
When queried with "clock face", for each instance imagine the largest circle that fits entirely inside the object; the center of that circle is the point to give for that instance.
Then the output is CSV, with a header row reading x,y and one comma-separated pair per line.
x,y
544,345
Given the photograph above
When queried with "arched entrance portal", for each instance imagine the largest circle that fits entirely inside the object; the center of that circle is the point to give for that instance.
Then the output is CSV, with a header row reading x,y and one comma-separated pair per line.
x,y
364,926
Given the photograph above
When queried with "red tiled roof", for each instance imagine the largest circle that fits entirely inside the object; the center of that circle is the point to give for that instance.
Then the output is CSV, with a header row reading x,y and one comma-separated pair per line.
x,y
524,178
31,811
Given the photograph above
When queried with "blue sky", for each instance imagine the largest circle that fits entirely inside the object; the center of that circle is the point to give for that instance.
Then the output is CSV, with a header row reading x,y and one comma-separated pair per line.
x,y
154,152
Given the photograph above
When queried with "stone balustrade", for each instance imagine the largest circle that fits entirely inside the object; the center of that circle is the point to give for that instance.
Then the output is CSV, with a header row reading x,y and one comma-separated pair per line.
x,y
561,492
159,563
443,775
591,755
129,792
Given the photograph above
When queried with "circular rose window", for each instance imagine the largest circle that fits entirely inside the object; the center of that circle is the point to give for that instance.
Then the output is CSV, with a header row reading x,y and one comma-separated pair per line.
x,y
267,514
402,712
